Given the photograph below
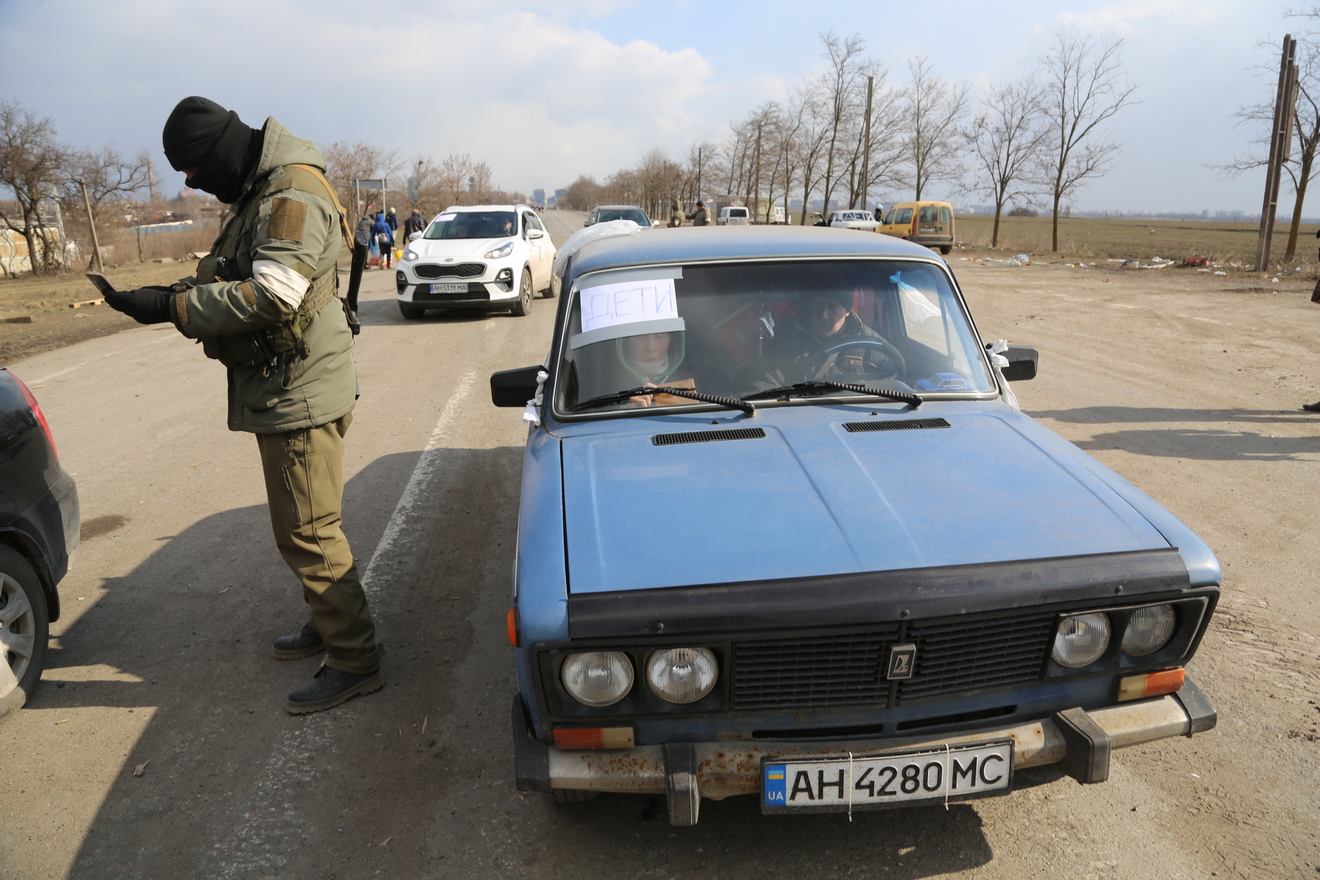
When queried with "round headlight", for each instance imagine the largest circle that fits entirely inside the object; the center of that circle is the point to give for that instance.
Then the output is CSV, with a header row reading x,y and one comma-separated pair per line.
x,y
682,675
1081,639
598,678
1148,630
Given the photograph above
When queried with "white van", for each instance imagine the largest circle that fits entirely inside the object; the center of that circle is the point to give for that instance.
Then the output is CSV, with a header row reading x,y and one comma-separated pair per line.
x,y
733,215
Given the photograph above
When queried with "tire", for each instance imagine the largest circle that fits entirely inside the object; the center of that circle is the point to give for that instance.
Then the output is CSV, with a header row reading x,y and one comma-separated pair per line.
x,y
572,795
945,248
412,313
523,306
24,630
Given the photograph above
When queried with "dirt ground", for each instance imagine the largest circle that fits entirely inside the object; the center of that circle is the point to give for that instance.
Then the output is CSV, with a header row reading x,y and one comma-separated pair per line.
x,y
1185,383
47,300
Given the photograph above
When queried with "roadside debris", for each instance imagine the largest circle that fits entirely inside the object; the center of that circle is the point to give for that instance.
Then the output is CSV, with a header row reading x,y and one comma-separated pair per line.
x,y
87,302
141,768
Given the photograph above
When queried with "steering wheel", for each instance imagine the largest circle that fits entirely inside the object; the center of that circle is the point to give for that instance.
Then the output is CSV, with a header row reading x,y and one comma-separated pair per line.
x,y
893,367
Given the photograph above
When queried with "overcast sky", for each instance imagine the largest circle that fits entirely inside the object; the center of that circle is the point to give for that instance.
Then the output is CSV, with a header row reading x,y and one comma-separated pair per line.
x,y
549,89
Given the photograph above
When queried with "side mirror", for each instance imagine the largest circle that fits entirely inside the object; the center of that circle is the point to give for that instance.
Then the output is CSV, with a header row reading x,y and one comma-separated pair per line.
x,y
416,235
586,222
514,387
535,233
1022,362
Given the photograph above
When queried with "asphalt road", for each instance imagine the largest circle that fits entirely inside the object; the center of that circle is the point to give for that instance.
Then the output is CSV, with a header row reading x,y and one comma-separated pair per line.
x,y
1186,385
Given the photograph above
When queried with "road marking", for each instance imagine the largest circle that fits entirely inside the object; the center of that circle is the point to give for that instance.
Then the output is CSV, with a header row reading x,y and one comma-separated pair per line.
x,y
421,476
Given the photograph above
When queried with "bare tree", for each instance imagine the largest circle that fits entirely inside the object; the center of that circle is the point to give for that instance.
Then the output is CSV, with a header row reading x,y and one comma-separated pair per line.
x,y
108,176
1005,141
1084,87
843,86
346,163
31,167
935,110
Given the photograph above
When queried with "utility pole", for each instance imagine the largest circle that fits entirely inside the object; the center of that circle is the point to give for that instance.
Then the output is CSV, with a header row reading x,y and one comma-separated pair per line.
x,y
1285,102
91,221
866,143
151,181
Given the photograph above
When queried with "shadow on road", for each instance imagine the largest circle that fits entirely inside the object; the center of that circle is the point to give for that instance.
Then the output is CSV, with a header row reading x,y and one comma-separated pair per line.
x,y
1207,444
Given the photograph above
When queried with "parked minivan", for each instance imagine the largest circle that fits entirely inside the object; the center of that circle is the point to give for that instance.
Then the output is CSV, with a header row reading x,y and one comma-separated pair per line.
x,y
733,215
928,223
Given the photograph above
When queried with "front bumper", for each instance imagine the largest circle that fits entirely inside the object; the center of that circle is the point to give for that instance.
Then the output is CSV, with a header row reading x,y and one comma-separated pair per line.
x,y
1081,741
496,286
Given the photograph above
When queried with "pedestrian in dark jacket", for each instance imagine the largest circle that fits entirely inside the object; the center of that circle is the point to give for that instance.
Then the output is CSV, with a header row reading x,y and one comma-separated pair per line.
x,y
700,217
384,236
392,219
415,223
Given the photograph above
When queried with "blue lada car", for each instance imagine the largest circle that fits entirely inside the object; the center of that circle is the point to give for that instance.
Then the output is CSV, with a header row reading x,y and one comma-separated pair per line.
x,y
784,532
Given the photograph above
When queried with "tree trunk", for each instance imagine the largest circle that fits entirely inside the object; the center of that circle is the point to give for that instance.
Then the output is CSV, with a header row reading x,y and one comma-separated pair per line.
x,y
1054,241
1303,177
994,236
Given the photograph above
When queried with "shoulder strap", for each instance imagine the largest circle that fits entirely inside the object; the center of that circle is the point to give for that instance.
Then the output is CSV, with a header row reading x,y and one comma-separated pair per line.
x,y
295,179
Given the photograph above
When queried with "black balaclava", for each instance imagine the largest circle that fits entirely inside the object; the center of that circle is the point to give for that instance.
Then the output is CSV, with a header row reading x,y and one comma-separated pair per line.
x,y
203,135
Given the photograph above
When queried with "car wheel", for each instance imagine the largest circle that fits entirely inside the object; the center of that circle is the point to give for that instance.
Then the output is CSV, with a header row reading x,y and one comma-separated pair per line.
x,y
524,303
24,628
945,248
412,313
572,795
549,292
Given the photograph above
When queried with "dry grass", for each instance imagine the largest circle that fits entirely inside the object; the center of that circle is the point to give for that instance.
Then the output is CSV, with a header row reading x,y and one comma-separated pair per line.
x,y
45,299
1229,244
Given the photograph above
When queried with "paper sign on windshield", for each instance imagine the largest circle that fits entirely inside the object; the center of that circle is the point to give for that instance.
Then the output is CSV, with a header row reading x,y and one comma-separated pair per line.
x,y
443,217
627,302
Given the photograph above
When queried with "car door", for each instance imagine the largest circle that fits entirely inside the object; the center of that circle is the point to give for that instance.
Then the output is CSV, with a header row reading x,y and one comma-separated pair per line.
x,y
540,258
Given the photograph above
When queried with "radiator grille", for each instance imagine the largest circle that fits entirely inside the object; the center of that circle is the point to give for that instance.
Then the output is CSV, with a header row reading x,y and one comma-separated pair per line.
x,y
848,668
812,671
970,655
457,270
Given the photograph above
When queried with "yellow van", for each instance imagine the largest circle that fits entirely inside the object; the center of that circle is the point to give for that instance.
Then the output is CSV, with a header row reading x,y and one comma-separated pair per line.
x,y
928,223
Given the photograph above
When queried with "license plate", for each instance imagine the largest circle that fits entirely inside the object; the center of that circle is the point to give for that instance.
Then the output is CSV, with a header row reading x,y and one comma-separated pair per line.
x,y
452,287
888,779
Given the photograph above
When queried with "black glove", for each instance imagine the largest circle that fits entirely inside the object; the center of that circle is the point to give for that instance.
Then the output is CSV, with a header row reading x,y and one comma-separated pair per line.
x,y
146,305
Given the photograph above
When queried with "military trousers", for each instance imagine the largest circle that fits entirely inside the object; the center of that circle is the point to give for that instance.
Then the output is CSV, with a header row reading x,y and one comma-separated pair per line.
x,y
304,472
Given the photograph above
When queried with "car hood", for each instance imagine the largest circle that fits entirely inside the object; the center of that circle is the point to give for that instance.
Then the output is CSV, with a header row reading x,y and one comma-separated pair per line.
x,y
462,248
812,498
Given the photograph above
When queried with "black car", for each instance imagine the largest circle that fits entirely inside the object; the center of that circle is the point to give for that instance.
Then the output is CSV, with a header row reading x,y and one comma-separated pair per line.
x,y
39,523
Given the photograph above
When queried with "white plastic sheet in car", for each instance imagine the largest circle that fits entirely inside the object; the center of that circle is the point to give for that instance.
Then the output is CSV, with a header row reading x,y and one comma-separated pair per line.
x,y
608,229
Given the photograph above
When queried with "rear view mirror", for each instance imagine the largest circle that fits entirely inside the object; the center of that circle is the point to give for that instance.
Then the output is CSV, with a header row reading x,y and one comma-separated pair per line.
x,y
514,387
1022,362
535,233
416,235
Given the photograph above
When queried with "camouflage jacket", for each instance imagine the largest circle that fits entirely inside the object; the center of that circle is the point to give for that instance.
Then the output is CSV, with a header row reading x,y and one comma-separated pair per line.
x,y
281,245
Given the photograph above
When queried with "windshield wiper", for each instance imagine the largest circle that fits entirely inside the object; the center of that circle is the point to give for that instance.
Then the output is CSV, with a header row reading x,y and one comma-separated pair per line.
x,y
811,389
644,390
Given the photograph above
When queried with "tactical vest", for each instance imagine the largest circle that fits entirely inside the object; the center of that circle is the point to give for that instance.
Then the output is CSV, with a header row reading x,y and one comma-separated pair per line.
x,y
246,350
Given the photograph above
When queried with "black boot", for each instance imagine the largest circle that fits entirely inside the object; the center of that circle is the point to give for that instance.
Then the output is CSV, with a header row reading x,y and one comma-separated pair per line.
x,y
330,687
303,643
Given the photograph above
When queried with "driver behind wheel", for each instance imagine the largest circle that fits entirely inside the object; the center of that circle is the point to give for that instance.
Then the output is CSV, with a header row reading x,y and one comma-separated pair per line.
x,y
823,318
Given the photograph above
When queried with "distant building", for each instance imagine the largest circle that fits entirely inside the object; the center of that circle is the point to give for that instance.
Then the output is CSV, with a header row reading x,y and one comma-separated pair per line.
x,y
538,197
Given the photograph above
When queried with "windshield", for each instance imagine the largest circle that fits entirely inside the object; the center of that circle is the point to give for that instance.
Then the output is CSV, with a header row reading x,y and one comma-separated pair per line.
x,y
636,215
473,224
738,329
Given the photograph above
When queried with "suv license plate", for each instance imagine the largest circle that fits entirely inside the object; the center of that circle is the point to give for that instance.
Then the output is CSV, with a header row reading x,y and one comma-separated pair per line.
x,y
449,288
887,779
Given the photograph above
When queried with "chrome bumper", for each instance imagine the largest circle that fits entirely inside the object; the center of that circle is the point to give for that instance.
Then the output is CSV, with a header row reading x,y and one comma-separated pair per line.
x,y
1081,740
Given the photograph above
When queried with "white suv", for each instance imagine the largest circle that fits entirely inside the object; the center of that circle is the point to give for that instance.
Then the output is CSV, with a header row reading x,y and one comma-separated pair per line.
x,y
479,256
